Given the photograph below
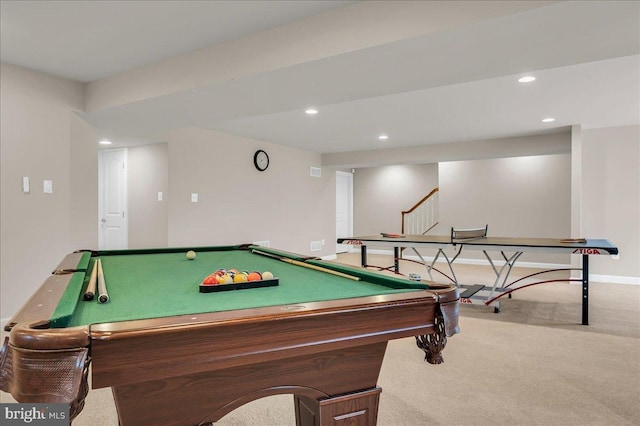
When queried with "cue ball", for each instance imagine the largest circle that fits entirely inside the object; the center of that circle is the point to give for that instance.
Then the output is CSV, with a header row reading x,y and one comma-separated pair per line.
x,y
266,275
191,255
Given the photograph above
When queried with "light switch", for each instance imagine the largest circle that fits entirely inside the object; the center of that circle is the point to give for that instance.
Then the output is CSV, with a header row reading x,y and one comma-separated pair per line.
x,y
194,197
160,196
47,186
25,184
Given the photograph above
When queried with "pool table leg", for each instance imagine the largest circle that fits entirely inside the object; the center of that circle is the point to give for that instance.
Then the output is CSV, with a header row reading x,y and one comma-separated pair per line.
x,y
433,344
356,409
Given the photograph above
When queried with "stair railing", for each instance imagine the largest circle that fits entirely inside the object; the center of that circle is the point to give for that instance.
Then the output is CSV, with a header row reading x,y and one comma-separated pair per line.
x,y
423,216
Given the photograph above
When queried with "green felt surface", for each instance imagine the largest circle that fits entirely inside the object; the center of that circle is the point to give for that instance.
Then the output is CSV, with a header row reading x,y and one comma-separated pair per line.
x,y
160,284
84,262
69,302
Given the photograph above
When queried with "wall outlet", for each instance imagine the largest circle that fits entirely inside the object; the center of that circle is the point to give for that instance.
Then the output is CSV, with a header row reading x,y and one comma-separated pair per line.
x,y
264,243
25,185
194,197
316,245
315,172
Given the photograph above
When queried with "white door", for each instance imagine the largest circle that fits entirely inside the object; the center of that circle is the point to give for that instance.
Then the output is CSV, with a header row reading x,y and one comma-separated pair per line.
x,y
112,201
344,209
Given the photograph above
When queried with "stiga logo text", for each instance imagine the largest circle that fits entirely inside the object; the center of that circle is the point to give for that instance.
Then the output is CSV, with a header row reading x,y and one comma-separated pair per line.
x,y
586,251
35,414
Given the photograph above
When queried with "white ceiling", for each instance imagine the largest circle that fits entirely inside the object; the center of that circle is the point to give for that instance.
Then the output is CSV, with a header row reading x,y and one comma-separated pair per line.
x,y
86,40
457,83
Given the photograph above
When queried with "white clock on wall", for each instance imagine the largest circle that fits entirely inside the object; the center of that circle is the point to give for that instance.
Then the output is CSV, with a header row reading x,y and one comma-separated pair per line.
x,y
261,160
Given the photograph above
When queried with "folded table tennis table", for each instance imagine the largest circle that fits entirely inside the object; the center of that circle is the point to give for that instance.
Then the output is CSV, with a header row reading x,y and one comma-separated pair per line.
x,y
510,249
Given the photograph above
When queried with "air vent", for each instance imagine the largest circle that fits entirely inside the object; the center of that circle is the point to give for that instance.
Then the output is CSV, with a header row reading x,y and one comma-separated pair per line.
x,y
315,172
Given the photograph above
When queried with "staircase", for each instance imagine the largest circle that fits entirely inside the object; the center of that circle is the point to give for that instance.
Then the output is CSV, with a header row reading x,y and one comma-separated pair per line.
x,y
422,217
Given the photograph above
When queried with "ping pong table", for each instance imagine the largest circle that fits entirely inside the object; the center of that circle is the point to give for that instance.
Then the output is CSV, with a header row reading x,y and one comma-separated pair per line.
x,y
510,249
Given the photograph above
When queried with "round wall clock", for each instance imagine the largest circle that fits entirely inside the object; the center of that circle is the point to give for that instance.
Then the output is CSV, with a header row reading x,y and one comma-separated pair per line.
x,y
261,160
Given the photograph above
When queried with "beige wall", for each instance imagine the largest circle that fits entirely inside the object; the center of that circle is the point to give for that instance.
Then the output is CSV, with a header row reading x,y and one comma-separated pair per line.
x,y
148,174
520,196
531,196
237,203
382,193
43,139
83,179
611,195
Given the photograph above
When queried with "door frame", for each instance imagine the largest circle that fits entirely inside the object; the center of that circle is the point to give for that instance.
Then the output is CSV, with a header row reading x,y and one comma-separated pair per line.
x,y
342,248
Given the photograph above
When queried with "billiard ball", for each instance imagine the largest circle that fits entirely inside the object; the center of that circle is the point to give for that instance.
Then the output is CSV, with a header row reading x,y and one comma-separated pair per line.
x,y
266,275
225,279
191,255
254,276
210,280
240,278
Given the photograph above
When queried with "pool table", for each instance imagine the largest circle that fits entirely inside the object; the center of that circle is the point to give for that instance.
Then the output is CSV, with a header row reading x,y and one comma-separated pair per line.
x,y
174,355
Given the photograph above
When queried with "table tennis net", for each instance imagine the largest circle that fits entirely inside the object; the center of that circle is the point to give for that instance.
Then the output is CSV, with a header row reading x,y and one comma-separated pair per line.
x,y
461,234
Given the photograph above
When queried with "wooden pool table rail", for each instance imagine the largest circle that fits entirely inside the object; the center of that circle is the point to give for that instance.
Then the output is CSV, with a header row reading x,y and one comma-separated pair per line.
x,y
32,344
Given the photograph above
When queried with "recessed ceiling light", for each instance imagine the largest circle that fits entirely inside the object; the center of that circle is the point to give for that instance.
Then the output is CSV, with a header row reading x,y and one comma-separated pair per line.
x,y
383,137
526,79
105,142
548,120
311,111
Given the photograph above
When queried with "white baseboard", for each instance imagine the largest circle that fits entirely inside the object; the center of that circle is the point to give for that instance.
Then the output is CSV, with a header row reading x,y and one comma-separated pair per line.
x,y
329,257
614,279
4,321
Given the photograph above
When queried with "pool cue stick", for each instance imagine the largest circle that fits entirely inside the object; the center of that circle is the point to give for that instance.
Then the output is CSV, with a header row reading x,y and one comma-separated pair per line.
x,y
320,268
307,265
90,292
103,296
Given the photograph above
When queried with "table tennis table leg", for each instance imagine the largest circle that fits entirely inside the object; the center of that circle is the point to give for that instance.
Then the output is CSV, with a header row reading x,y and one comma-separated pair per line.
x,y
502,275
585,289
433,262
396,260
431,267
363,256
